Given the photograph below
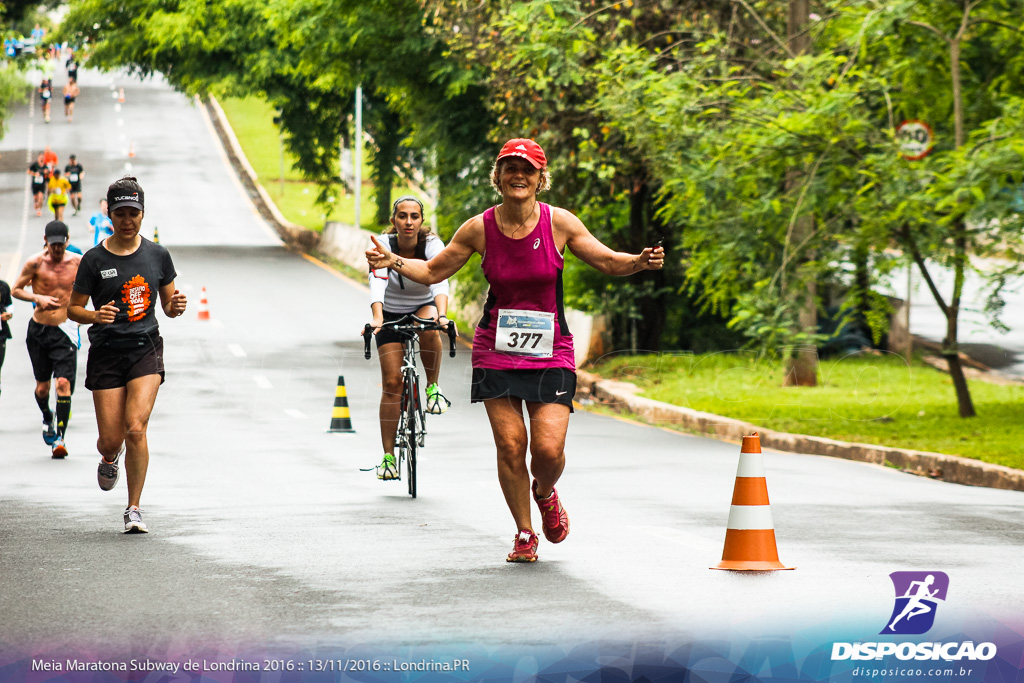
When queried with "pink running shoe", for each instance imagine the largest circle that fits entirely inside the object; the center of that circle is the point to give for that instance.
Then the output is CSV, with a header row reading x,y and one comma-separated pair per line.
x,y
525,547
553,516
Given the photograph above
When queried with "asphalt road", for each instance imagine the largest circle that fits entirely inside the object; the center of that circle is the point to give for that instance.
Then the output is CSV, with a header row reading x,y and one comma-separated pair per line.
x,y
266,534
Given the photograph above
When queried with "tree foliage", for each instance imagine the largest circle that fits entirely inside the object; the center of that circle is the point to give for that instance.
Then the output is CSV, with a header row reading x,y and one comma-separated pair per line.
x,y
699,121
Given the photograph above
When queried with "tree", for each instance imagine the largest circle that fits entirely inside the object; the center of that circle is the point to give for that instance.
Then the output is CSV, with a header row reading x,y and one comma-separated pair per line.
x,y
12,91
540,63
964,201
727,123
305,58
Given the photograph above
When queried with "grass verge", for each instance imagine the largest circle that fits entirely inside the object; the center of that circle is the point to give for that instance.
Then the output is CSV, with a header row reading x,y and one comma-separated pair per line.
x,y
252,119
862,398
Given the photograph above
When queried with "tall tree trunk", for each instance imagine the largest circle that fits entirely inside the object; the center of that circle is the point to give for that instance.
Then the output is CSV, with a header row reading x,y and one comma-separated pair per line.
x,y
803,363
950,345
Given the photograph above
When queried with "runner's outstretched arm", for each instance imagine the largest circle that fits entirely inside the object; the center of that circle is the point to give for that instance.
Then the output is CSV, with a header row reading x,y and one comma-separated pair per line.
x,y
467,240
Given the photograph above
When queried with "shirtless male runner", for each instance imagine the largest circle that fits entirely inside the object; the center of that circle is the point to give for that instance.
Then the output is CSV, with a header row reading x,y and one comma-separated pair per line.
x,y
52,339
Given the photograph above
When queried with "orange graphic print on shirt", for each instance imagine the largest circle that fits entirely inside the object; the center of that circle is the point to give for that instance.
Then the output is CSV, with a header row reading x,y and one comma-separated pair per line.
x,y
136,293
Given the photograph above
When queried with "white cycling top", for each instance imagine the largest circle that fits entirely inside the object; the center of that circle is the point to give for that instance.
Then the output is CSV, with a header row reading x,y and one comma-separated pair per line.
x,y
402,295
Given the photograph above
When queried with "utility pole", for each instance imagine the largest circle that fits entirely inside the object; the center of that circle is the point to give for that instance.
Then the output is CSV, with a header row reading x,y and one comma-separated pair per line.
x,y
357,153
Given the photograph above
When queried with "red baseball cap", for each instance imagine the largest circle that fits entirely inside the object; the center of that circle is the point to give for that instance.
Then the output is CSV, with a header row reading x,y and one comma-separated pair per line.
x,y
527,149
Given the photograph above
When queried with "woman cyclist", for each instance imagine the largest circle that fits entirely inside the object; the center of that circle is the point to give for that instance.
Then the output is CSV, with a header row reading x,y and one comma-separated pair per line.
x,y
392,297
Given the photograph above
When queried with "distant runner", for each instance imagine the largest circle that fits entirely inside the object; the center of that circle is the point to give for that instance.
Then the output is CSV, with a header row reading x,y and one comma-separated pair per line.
x,y
45,95
71,93
101,225
74,172
60,190
40,174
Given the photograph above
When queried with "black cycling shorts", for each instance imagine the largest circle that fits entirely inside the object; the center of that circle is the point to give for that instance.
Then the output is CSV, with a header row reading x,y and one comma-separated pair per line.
x,y
548,385
52,353
112,367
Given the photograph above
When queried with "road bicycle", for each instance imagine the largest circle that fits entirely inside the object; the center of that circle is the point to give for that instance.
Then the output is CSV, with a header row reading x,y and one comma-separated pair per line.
x,y
412,424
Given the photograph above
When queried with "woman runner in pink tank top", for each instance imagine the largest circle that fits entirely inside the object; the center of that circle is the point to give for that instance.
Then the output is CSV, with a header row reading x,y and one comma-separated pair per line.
x,y
522,350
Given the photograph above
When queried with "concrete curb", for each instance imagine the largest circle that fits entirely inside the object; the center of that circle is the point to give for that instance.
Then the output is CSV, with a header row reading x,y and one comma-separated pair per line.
x,y
620,396
291,233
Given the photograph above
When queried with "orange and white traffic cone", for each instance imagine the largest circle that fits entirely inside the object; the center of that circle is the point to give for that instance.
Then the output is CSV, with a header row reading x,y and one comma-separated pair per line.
x,y
120,95
131,150
750,536
204,307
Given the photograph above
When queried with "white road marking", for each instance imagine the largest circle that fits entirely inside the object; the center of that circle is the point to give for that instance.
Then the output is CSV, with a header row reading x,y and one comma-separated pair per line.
x,y
237,350
28,203
262,382
297,414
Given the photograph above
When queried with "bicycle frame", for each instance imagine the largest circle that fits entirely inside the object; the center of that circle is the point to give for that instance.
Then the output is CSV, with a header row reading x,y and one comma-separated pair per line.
x,y
411,431
411,395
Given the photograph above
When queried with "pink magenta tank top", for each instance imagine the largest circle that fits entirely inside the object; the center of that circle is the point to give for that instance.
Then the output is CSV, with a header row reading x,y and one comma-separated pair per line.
x,y
524,304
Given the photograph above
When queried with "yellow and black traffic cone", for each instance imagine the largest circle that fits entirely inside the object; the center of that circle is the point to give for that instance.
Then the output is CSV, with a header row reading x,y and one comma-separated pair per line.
x,y
340,420
156,235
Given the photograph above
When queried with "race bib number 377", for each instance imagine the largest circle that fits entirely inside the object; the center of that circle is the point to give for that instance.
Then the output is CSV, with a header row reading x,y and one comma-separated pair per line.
x,y
525,333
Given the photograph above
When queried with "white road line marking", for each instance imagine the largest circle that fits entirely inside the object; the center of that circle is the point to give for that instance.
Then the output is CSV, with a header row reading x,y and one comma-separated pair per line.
x,y
28,203
297,414
237,350
262,382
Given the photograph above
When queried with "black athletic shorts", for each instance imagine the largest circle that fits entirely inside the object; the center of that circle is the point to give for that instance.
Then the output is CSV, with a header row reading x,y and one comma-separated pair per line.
x,y
76,187
112,367
52,352
550,385
38,188
389,336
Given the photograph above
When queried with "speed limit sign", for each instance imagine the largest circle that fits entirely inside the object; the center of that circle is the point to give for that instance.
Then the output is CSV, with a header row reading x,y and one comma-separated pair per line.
x,y
915,138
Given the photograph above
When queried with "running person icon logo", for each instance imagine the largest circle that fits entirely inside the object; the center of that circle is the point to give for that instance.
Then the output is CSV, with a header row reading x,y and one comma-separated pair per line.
x,y
917,598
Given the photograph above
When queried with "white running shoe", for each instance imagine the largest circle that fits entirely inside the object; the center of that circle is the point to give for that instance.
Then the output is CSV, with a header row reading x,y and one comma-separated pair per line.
x,y
108,472
133,523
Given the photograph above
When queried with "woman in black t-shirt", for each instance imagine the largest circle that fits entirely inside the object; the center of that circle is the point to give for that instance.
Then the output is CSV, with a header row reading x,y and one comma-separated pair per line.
x,y
123,275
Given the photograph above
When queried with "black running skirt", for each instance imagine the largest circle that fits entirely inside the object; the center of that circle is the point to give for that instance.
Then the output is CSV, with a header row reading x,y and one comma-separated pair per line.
x,y
550,385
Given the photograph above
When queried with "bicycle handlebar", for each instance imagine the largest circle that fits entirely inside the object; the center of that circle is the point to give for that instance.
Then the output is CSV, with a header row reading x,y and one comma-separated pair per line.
x,y
411,323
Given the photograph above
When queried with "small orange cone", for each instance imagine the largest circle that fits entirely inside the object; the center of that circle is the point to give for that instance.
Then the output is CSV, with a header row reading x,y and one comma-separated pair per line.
x,y
750,536
120,95
131,150
204,307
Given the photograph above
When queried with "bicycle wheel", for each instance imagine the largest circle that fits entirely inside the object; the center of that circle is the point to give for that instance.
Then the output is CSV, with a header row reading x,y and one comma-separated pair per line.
x,y
410,462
